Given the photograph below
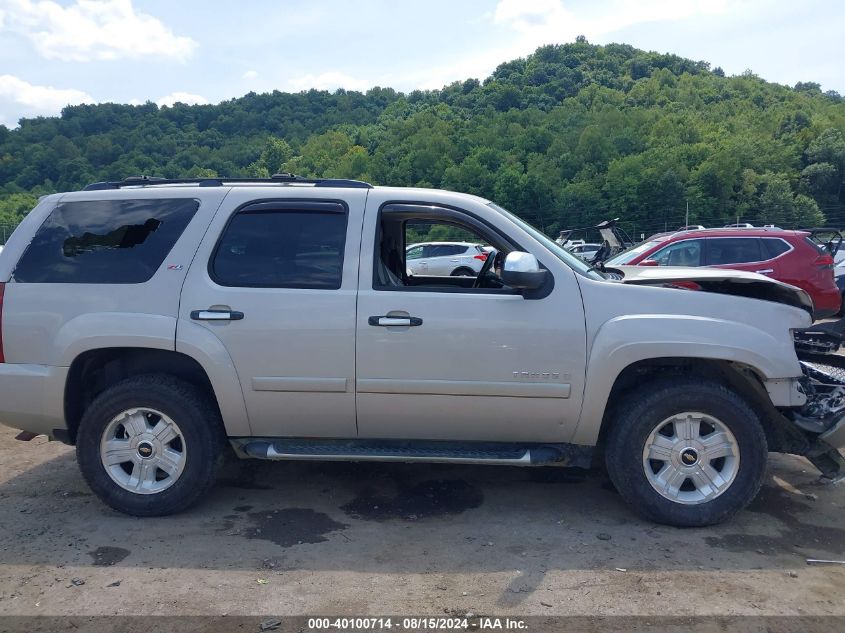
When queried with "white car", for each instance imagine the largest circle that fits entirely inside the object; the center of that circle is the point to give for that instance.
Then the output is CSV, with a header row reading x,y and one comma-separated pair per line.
x,y
587,252
442,259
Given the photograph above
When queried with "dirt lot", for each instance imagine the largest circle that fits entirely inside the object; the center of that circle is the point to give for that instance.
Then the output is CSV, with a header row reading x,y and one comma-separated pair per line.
x,y
301,538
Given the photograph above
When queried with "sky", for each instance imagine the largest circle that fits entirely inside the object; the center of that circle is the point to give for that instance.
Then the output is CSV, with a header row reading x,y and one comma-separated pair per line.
x,y
59,52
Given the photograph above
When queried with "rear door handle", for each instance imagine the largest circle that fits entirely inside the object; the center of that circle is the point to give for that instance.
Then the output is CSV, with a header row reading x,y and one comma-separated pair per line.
x,y
765,271
388,321
216,315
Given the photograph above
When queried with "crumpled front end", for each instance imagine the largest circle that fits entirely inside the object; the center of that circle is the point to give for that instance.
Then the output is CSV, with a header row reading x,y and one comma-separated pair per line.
x,y
822,418
729,282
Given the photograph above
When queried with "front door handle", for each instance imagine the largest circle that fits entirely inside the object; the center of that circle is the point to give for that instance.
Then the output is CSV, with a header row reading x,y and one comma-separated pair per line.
x,y
216,315
390,321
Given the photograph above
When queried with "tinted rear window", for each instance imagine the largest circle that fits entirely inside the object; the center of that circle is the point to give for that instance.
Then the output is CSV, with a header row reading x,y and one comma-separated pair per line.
x,y
774,247
282,248
105,241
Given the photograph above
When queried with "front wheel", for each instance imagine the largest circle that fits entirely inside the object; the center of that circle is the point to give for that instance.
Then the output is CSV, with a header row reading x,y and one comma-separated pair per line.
x,y
686,452
150,445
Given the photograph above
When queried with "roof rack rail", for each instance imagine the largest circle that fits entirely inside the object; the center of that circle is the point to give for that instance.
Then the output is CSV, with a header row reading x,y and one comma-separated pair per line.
x,y
219,181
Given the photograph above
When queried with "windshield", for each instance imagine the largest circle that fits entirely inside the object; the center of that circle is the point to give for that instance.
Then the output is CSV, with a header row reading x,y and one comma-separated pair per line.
x,y
573,261
625,257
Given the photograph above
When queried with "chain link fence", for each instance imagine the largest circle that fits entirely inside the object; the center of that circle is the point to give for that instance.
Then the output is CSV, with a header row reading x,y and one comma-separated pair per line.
x,y
6,231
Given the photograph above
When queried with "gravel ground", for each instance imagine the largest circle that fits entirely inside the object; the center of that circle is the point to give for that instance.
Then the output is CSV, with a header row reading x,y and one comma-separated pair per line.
x,y
303,538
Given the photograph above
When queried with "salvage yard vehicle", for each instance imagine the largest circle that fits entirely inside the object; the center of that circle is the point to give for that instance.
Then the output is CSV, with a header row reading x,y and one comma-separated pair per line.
x,y
587,252
614,240
798,258
155,323
445,258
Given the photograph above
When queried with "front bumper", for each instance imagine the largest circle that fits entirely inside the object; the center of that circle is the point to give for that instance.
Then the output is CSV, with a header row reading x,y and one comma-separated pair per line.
x,y
835,436
786,392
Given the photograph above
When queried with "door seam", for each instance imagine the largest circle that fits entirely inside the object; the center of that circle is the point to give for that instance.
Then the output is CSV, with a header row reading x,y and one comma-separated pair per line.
x,y
356,316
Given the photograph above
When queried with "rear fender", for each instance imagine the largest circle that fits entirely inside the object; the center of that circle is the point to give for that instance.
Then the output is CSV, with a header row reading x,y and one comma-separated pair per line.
x,y
204,347
98,330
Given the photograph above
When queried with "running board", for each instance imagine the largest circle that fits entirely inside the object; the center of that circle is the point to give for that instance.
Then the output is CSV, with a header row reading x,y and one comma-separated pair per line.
x,y
422,451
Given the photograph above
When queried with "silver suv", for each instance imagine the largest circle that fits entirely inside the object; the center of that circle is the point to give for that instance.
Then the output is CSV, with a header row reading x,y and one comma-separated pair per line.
x,y
155,324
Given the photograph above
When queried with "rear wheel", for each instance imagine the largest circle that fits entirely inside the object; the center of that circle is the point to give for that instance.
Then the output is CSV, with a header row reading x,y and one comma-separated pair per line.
x,y
463,271
150,445
686,453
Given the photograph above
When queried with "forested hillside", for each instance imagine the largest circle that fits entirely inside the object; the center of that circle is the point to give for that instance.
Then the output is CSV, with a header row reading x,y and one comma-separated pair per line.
x,y
566,137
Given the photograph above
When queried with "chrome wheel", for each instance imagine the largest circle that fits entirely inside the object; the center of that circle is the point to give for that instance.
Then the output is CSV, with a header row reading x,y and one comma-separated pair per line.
x,y
691,458
143,451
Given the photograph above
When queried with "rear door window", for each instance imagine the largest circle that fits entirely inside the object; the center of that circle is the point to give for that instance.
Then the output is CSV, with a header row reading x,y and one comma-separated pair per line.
x,y
277,245
734,250
446,250
105,241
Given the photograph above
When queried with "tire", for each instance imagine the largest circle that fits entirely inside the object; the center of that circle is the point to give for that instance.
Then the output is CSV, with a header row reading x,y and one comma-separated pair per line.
x,y
463,271
159,473
633,440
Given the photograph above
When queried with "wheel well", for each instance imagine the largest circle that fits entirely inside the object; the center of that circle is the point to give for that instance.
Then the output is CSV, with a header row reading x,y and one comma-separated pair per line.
x,y
94,371
781,434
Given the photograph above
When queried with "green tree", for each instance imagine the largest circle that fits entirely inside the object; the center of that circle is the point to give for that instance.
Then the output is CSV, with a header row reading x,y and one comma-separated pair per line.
x,y
13,209
565,137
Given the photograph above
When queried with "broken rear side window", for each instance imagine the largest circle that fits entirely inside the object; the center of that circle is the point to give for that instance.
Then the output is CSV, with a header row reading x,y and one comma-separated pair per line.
x,y
105,241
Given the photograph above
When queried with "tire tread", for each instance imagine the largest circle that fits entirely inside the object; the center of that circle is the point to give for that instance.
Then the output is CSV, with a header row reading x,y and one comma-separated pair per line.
x,y
199,412
624,466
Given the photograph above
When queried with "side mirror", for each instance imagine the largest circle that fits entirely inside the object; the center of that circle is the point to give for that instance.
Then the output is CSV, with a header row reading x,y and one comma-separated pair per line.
x,y
522,271
649,262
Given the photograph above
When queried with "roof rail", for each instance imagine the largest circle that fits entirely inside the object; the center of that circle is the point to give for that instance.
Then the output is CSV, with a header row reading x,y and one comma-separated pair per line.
x,y
219,181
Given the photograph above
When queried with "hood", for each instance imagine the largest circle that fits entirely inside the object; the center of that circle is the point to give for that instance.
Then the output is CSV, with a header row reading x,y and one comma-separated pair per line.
x,y
729,282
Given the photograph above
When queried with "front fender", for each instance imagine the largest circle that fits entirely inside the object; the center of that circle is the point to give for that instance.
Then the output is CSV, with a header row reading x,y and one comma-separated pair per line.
x,y
625,340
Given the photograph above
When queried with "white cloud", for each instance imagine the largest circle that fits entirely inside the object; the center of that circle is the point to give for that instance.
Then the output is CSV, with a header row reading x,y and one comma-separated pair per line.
x,y
328,81
181,97
548,21
39,99
534,23
89,30
535,17
250,75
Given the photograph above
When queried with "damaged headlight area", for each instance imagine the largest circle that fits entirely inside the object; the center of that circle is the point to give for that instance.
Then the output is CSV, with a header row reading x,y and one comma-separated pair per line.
x,y
823,415
824,386
816,341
